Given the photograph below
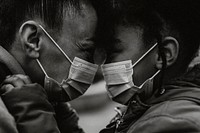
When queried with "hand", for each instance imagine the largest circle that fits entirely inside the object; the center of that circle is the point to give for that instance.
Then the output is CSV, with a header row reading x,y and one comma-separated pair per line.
x,y
28,104
14,82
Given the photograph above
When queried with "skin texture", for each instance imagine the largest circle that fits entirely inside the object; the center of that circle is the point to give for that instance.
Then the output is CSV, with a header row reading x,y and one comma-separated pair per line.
x,y
75,39
128,45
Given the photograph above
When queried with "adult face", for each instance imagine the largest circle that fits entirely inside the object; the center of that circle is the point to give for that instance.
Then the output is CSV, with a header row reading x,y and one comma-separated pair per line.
x,y
74,38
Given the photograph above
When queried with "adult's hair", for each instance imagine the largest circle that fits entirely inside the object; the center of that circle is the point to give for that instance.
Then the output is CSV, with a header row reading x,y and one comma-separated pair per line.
x,y
13,13
160,18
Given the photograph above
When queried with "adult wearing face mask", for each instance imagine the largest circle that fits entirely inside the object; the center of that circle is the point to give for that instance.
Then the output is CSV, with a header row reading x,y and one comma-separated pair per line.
x,y
146,69
52,43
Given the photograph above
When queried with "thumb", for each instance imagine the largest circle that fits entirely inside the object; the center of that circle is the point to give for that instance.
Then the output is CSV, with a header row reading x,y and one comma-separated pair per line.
x,y
6,88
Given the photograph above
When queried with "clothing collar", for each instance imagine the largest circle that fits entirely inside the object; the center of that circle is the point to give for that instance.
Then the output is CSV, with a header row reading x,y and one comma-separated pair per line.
x,y
184,87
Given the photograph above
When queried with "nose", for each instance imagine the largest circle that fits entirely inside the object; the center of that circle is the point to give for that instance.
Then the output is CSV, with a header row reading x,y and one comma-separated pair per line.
x,y
100,56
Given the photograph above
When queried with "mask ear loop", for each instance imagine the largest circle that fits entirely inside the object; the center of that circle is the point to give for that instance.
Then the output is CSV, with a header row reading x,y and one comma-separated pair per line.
x,y
144,55
42,68
141,59
149,78
57,45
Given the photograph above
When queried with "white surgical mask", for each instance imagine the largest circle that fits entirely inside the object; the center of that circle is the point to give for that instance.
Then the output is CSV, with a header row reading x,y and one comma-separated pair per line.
x,y
119,82
81,76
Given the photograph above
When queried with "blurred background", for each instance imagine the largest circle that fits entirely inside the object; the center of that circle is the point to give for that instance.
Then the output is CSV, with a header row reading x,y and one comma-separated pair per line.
x,y
95,108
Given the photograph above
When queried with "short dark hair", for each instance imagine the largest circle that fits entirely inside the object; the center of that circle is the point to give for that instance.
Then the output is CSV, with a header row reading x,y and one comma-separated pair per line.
x,y
14,12
160,18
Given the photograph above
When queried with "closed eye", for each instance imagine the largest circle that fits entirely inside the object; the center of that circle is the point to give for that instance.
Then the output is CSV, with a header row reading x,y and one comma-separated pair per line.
x,y
86,45
116,46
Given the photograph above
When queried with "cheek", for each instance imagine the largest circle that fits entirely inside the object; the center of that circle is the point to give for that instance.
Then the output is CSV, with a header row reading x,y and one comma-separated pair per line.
x,y
144,70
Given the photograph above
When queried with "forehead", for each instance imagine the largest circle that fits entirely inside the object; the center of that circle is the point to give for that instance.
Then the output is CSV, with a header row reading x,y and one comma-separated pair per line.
x,y
80,22
128,33
127,44
130,37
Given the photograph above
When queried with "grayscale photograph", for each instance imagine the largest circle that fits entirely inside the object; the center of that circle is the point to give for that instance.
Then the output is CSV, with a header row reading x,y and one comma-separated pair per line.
x,y
99,66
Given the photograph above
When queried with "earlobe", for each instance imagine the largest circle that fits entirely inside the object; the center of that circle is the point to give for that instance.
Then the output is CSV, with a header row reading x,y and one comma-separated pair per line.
x,y
171,51
29,34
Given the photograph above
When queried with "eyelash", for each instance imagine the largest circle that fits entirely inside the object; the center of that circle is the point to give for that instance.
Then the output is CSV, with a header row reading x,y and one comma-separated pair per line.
x,y
89,47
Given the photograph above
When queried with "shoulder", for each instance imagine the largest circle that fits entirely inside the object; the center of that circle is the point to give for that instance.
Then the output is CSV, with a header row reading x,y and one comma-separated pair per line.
x,y
7,122
4,112
165,123
169,116
4,71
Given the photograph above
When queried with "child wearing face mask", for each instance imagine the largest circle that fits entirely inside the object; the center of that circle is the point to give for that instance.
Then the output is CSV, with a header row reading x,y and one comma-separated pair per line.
x,y
160,94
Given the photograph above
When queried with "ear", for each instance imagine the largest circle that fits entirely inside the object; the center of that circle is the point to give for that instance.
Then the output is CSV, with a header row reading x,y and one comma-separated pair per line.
x,y
171,51
30,37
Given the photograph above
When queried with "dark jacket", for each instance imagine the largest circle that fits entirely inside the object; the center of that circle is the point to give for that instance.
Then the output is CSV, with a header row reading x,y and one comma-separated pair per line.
x,y
27,109
177,110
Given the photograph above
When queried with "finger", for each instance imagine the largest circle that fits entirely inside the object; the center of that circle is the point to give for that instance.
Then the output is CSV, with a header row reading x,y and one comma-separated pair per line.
x,y
14,80
6,88
24,78
8,76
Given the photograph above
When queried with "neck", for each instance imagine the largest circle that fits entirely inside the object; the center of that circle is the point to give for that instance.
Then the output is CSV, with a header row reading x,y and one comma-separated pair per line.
x,y
28,64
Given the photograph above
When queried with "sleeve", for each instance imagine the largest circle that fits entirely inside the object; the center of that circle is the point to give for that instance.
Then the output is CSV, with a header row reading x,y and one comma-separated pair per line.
x,y
67,118
7,122
165,124
31,109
